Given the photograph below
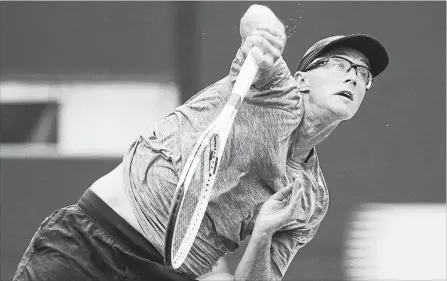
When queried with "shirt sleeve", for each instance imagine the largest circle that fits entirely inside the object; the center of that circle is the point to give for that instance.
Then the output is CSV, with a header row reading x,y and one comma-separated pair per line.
x,y
276,74
313,207
274,88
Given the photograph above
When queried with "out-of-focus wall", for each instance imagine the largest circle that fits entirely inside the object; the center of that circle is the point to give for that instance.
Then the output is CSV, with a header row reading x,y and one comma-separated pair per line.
x,y
93,119
110,68
88,41
31,189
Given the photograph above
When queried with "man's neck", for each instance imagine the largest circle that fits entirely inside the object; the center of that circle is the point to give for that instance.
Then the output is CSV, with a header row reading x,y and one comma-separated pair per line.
x,y
313,129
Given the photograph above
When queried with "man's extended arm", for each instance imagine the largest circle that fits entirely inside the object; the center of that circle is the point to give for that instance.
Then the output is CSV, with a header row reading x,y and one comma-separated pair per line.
x,y
263,34
256,263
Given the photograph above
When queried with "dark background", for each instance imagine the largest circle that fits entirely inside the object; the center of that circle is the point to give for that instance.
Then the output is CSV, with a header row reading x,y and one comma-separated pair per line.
x,y
393,151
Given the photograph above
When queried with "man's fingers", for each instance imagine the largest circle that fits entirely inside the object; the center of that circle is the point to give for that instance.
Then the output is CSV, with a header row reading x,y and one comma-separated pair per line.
x,y
248,45
268,37
295,199
263,52
276,32
261,59
284,192
265,46
274,41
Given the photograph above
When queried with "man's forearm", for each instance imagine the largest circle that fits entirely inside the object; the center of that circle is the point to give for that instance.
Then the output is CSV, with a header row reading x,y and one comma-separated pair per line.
x,y
256,263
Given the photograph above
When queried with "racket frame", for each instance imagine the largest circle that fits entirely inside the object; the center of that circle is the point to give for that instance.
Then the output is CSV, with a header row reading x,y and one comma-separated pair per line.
x,y
219,130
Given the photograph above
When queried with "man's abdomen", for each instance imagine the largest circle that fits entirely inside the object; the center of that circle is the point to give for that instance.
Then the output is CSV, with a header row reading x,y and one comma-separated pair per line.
x,y
110,188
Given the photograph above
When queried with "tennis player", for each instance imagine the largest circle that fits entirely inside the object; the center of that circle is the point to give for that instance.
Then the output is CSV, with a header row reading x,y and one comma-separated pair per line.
x,y
270,188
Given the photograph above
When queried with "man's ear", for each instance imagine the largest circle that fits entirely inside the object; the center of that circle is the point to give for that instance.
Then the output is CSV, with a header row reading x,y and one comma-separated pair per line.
x,y
302,82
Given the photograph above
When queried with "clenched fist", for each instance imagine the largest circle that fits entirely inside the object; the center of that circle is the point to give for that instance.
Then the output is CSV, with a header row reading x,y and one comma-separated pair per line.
x,y
263,32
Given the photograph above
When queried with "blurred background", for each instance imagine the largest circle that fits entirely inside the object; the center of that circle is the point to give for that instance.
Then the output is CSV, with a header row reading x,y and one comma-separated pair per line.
x,y
80,81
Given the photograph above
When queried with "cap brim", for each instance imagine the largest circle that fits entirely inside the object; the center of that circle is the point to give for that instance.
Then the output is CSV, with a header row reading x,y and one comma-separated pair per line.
x,y
367,45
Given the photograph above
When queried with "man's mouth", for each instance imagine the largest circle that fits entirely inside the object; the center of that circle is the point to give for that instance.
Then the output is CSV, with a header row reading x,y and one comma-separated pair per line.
x,y
346,94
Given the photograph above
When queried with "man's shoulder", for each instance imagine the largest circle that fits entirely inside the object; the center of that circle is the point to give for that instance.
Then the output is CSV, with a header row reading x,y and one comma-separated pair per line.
x,y
218,89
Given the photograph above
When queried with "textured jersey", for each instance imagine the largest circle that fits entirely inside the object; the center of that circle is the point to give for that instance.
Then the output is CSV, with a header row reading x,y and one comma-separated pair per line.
x,y
253,167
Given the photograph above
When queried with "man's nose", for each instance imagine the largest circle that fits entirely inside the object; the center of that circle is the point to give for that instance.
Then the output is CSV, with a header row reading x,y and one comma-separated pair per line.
x,y
351,77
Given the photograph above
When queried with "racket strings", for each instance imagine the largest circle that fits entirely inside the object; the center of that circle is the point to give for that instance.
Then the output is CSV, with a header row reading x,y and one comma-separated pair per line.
x,y
195,201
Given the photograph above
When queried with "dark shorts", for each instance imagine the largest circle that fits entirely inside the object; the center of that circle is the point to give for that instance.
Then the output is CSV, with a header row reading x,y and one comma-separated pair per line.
x,y
89,241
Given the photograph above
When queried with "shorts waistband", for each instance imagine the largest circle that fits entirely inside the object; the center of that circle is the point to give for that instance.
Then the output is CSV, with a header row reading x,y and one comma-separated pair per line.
x,y
117,227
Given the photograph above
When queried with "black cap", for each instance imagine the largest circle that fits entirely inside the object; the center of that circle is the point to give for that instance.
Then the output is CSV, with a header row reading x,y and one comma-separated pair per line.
x,y
367,45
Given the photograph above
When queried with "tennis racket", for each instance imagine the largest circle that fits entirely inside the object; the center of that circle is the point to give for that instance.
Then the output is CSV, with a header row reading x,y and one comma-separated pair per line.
x,y
190,201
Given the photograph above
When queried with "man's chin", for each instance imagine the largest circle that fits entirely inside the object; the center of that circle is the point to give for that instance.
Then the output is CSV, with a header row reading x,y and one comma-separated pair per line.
x,y
343,114
347,117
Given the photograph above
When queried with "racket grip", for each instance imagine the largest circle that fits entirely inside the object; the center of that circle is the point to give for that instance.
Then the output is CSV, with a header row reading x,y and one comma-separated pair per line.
x,y
246,76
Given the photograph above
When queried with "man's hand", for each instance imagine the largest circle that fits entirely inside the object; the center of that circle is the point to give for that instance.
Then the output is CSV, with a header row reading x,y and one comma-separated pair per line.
x,y
263,32
279,209
276,212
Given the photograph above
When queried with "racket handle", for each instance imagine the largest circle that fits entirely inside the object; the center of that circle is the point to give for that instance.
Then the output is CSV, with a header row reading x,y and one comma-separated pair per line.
x,y
246,76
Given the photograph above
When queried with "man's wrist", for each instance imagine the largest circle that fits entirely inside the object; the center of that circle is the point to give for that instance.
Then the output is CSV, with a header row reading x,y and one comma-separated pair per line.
x,y
261,233
266,76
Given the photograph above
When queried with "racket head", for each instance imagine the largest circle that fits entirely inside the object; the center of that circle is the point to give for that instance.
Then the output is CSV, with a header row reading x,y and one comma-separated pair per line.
x,y
191,200
209,149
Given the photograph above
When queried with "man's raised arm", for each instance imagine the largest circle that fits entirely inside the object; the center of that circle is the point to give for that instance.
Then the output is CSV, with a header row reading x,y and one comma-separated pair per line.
x,y
263,34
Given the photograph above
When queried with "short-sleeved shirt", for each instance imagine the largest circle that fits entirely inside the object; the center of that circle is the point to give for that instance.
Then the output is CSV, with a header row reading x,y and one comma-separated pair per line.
x,y
253,167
